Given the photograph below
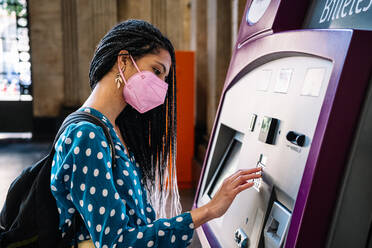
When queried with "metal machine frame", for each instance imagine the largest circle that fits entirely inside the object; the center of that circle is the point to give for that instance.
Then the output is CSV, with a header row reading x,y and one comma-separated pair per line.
x,y
333,138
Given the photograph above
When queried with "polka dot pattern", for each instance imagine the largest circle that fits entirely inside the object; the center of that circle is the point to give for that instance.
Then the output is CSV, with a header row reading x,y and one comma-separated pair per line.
x,y
88,152
167,224
120,182
92,190
110,198
82,187
112,213
104,192
76,150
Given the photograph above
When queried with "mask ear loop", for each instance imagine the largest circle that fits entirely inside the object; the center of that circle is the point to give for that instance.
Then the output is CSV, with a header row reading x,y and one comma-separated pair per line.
x,y
121,72
134,63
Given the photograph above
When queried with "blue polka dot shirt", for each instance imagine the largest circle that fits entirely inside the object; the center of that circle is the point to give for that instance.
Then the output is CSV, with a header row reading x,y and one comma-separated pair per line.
x,y
111,199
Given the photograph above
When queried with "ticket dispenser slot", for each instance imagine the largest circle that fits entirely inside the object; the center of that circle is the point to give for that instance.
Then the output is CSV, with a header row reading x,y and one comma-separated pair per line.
x,y
276,226
225,135
231,142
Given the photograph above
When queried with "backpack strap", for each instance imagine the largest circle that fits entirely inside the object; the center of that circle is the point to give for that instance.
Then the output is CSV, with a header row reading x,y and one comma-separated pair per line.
x,y
76,117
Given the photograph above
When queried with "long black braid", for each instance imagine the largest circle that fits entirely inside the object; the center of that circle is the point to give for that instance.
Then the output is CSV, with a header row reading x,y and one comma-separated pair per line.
x,y
150,136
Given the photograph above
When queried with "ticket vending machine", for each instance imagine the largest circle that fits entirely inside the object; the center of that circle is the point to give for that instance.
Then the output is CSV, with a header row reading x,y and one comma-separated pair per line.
x,y
298,104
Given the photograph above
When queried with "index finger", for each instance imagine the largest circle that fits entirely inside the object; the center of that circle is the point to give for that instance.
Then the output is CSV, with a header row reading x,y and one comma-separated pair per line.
x,y
251,171
243,172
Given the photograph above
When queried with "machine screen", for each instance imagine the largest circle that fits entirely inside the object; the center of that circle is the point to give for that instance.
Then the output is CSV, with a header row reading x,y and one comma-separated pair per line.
x,y
227,166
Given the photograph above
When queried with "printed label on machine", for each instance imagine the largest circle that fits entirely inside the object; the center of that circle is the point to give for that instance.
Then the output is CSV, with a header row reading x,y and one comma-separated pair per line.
x,y
313,82
263,80
284,78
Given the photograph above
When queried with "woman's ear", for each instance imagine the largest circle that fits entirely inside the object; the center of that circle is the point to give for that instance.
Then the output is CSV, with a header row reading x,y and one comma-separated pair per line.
x,y
122,58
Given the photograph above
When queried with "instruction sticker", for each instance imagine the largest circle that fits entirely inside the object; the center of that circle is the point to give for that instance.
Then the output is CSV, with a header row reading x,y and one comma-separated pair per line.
x,y
263,78
313,82
283,80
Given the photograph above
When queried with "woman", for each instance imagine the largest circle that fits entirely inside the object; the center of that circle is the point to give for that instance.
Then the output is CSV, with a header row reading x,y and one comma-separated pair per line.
x,y
132,76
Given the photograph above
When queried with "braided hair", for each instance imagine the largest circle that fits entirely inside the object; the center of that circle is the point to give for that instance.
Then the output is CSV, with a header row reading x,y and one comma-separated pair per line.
x,y
150,136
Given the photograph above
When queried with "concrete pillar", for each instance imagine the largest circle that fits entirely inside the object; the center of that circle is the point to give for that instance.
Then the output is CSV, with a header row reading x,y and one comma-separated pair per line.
x,y
186,10
47,56
70,54
64,35
171,17
241,8
159,15
95,18
218,53
199,44
85,22
178,14
138,9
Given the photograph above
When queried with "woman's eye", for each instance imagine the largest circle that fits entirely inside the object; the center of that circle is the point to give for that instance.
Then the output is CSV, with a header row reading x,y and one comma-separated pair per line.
x,y
156,71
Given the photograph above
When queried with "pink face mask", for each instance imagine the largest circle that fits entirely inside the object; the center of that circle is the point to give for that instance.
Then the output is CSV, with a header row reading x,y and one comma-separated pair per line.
x,y
144,90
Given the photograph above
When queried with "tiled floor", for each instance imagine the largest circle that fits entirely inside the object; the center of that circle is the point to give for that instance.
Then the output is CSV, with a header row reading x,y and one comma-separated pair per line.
x,y
14,157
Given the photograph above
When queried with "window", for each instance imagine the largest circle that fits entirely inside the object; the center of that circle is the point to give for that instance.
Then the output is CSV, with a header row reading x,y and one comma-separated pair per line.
x,y
15,65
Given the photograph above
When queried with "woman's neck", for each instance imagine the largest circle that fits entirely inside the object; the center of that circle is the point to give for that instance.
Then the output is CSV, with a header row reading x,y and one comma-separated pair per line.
x,y
107,99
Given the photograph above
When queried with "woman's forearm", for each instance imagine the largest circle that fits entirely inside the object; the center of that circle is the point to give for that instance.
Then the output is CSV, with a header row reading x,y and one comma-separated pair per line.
x,y
201,215
218,205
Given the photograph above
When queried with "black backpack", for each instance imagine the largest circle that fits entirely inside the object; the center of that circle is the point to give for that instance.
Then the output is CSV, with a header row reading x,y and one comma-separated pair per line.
x,y
29,217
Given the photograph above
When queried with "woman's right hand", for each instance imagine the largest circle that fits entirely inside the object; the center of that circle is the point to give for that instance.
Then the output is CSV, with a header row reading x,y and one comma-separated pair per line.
x,y
230,188
225,195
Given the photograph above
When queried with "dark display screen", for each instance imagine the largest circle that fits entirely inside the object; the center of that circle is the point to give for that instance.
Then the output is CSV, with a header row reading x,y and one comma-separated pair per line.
x,y
227,166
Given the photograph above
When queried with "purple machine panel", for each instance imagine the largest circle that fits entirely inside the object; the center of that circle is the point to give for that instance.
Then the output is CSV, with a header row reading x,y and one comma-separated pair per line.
x,y
312,198
272,16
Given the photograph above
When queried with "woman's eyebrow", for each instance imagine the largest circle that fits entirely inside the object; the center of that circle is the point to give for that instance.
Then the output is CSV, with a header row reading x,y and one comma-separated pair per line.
x,y
164,69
